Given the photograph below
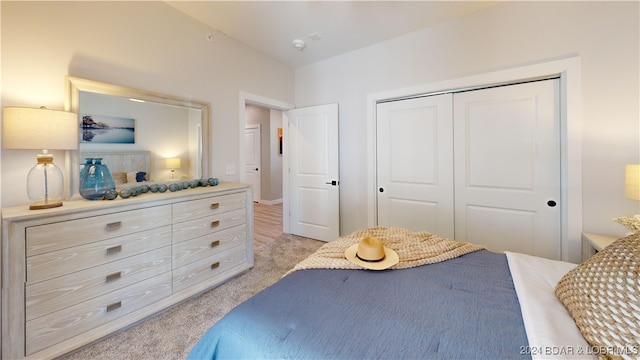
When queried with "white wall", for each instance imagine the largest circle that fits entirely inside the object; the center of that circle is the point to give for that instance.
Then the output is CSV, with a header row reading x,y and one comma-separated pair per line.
x,y
149,45
604,34
145,45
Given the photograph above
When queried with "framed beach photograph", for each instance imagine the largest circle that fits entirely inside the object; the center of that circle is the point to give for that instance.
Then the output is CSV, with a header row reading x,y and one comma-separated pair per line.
x,y
107,129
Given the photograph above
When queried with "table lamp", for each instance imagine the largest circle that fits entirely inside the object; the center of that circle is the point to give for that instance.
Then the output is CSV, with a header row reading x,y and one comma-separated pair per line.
x,y
631,191
173,164
632,181
29,128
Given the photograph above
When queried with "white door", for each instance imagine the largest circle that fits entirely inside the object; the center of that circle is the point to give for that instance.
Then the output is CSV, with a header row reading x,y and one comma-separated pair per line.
x,y
485,171
415,188
507,168
312,207
252,155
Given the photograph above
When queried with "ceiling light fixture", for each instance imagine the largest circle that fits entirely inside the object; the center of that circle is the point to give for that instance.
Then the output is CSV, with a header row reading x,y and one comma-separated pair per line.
x,y
299,44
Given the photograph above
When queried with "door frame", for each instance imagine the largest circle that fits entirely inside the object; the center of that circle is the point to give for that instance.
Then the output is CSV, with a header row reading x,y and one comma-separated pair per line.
x,y
568,70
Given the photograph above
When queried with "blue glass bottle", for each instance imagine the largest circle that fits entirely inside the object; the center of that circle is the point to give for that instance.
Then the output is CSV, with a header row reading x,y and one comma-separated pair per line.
x,y
96,181
85,168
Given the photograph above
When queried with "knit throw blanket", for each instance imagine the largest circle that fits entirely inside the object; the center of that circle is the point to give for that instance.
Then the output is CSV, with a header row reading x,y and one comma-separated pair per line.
x,y
413,248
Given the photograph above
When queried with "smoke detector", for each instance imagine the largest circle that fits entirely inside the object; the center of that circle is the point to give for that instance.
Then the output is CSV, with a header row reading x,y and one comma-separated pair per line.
x,y
299,44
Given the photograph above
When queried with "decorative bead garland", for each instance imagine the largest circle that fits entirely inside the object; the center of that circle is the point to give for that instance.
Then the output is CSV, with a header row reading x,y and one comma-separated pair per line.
x,y
112,194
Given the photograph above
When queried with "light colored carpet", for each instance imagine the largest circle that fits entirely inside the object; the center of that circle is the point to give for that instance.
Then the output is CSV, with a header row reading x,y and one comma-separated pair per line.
x,y
172,334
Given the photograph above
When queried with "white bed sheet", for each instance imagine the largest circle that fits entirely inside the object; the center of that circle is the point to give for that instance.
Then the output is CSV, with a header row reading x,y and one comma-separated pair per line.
x,y
551,331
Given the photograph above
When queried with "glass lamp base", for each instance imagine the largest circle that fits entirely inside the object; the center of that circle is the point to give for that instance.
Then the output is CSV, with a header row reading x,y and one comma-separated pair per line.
x,y
45,184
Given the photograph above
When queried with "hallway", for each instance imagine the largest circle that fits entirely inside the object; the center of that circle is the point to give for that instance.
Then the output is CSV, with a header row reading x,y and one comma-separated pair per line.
x,y
267,223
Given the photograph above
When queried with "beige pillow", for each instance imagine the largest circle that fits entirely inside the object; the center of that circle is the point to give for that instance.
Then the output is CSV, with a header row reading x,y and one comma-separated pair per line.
x,y
119,177
131,177
603,296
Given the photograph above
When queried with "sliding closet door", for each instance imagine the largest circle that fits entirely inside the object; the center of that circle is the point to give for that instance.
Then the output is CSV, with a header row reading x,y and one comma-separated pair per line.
x,y
414,168
507,168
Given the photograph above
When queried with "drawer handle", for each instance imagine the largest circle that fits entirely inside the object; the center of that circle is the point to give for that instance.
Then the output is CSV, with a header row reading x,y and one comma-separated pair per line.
x,y
215,223
215,205
114,306
114,249
215,243
215,265
113,277
114,226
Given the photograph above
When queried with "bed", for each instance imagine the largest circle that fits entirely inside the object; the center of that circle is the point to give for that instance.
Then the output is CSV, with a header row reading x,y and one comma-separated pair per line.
x,y
126,167
473,304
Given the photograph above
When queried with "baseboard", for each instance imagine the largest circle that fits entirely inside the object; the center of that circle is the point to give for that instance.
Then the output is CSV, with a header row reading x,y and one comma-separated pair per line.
x,y
271,202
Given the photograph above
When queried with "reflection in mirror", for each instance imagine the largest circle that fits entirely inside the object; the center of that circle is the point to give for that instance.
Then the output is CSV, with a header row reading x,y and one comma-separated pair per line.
x,y
116,119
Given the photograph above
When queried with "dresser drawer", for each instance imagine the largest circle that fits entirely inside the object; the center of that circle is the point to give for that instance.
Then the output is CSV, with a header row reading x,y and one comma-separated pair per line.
x,y
53,328
204,207
80,231
207,225
69,260
207,268
201,247
55,294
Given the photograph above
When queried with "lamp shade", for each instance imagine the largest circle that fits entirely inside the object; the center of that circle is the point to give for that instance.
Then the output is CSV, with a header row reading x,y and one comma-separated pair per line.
x,y
632,181
30,128
172,163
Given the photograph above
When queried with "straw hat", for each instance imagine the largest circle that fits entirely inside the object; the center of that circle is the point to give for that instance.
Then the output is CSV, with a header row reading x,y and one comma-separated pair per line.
x,y
371,254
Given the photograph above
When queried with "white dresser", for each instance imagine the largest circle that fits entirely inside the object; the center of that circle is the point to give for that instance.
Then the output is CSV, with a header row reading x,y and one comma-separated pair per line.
x,y
76,273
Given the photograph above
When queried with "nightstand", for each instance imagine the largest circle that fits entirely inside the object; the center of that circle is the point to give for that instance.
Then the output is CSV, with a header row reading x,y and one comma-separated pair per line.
x,y
592,243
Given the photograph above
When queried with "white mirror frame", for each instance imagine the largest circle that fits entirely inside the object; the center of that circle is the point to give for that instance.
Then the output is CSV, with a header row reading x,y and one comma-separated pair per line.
x,y
76,85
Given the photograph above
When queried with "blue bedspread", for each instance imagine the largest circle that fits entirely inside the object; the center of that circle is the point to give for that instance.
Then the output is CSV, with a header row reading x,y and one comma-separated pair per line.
x,y
464,308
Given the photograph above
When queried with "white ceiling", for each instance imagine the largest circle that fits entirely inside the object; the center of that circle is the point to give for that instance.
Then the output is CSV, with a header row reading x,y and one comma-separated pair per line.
x,y
342,26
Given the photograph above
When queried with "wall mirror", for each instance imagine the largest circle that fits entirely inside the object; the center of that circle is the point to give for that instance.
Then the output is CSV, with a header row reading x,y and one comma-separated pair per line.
x,y
167,127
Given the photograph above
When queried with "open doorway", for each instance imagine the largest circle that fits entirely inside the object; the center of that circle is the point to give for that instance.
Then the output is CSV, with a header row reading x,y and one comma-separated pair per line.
x,y
263,153
272,203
